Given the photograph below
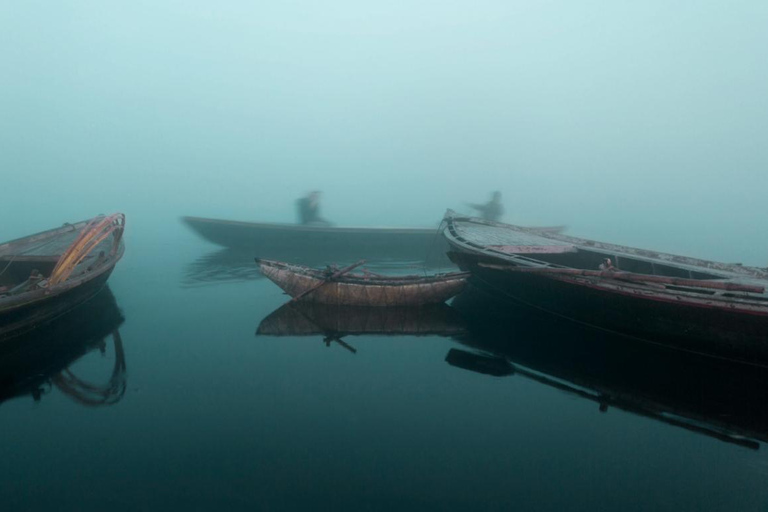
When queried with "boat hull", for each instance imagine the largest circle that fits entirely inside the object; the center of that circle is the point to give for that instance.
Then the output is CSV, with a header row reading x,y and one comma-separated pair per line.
x,y
310,285
298,243
45,308
701,328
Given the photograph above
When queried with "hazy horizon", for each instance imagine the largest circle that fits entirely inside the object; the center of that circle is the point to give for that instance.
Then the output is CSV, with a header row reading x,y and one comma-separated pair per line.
x,y
634,123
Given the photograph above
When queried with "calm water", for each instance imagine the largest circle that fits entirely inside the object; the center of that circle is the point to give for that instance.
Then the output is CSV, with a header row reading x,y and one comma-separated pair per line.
x,y
497,409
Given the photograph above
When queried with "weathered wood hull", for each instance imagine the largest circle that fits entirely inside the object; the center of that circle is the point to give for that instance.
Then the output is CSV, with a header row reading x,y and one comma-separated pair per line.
x,y
307,244
697,305
697,327
298,281
26,310
43,309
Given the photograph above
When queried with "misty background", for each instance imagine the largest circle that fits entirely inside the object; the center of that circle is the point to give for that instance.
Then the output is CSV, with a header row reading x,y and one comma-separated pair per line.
x,y
636,123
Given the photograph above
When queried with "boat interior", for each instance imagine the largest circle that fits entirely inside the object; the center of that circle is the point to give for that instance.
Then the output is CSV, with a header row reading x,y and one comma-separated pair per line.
x,y
17,271
586,259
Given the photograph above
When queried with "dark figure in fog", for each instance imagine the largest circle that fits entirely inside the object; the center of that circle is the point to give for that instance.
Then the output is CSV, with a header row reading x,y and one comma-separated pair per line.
x,y
491,210
309,209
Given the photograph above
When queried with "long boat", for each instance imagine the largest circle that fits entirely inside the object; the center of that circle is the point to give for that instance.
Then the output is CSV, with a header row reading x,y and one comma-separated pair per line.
x,y
343,288
302,243
46,274
698,305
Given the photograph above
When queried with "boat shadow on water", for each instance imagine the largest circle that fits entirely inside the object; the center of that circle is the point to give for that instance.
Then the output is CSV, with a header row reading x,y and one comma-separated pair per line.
x,y
333,323
33,363
723,399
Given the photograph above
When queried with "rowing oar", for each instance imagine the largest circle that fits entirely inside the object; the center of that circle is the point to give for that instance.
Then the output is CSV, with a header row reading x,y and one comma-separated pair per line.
x,y
333,276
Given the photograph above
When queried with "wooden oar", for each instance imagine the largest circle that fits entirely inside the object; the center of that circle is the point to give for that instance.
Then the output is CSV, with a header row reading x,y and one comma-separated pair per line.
x,y
330,278
631,276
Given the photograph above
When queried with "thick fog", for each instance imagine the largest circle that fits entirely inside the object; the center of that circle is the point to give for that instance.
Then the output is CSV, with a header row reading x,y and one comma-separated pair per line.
x,y
634,122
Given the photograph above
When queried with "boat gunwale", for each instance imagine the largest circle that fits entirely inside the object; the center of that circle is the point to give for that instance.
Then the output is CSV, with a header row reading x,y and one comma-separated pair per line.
x,y
14,302
753,305
362,280
6,247
190,221
724,270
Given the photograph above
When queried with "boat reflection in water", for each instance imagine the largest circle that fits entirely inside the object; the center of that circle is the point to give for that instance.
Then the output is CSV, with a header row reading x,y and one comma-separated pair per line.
x,y
35,362
235,265
723,399
336,322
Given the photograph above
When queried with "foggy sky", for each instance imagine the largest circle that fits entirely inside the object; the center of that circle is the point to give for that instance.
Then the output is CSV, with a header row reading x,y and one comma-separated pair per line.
x,y
638,123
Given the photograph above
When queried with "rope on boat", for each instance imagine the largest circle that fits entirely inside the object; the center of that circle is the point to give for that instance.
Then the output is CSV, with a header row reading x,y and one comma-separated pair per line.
x,y
91,236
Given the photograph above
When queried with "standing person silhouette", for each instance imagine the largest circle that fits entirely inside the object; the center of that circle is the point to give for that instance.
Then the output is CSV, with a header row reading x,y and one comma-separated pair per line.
x,y
309,209
492,210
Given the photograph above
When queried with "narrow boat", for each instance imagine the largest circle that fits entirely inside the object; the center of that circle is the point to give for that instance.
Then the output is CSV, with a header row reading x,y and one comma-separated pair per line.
x,y
310,243
343,288
45,275
703,306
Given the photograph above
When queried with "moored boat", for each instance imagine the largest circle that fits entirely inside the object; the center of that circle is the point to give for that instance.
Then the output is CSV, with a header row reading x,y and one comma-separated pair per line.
x,y
343,288
45,275
702,306
323,243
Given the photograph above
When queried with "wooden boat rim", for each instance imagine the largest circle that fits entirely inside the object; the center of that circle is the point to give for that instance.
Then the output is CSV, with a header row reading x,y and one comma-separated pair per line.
x,y
5,247
725,270
25,299
362,279
311,228
12,302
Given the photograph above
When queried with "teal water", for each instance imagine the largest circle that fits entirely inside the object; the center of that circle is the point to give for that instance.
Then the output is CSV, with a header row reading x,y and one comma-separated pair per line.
x,y
214,417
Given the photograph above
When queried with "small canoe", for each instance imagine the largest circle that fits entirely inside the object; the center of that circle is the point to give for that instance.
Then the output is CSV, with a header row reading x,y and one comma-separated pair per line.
x,y
328,287
47,274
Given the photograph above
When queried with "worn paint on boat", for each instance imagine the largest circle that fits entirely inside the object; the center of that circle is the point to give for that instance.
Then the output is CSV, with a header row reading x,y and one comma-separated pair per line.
x,y
314,285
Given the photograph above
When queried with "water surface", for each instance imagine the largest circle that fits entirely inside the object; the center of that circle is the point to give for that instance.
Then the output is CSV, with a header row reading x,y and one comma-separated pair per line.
x,y
505,410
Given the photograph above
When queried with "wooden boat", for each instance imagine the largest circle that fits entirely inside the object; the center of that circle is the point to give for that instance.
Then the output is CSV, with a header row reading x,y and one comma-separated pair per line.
x,y
311,243
703,395
44,275
342,288
698,305
38,361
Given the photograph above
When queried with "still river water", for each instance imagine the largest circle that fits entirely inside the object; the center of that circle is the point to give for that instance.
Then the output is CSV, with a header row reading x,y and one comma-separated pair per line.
x,y
491,407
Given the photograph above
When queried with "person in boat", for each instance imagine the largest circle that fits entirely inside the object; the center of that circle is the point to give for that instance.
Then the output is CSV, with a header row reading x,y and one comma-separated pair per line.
x,y
492,210
607,264
309,209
